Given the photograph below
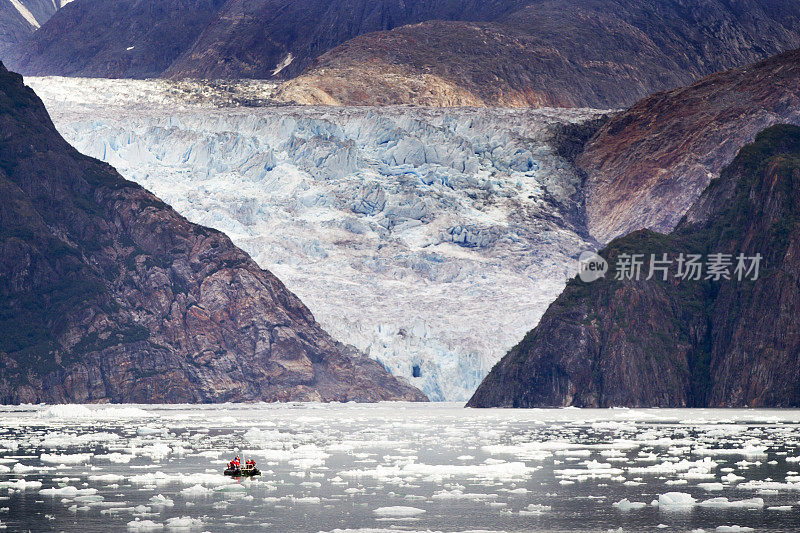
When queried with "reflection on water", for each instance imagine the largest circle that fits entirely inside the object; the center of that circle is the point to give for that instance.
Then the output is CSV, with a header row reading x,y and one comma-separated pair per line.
x,y
398,467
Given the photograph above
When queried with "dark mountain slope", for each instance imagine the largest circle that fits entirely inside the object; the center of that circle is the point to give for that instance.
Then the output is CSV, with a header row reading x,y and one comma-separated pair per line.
x,y
252,38
594,53
681,342
114,38
107,294
19,19
646,166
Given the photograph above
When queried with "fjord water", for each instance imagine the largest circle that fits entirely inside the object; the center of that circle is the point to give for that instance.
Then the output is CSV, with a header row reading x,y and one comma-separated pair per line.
x,y
397,467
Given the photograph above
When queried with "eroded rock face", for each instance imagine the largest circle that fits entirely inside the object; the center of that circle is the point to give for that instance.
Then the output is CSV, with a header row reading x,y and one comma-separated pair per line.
x,y
648,165
19,19
538,55
679,343
107,294
113,38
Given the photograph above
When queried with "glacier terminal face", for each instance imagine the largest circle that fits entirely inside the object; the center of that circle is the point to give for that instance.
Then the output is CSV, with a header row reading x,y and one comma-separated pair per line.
x,y
432,239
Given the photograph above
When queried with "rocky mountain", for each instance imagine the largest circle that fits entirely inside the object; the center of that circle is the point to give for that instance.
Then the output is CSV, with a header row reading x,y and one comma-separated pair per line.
x,y
280,38
107,294
583,53
114,38
647,165
219,39
673,341
20,18
578,53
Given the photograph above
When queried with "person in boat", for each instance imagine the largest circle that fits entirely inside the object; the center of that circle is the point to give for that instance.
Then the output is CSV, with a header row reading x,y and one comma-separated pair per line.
x,y
250,464
236,462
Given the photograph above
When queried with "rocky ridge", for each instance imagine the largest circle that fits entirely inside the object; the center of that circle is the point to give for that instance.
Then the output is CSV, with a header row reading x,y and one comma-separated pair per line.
x,y
649,164
538,55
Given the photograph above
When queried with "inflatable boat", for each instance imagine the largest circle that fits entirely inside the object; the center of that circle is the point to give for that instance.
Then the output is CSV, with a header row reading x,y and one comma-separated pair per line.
x,y
241,472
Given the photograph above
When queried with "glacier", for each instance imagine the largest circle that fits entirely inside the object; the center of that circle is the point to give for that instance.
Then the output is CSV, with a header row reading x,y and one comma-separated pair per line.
x,y
431,239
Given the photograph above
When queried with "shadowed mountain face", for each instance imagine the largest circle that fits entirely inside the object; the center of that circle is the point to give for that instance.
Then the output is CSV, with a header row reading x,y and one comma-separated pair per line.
x,y
586,53
218,38
114,39
266,38
680,342
107,294
20,18
648,165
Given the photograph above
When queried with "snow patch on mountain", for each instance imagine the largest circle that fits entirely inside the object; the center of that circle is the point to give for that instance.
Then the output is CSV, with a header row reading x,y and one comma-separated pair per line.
x,y
26,14
432,239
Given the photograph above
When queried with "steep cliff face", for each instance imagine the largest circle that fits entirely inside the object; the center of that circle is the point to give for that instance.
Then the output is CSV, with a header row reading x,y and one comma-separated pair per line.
x,y
114,38
540,55
107,294
680,342
648,164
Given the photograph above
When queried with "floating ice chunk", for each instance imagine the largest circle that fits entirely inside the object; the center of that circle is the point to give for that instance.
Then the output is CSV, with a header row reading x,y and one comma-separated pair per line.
x,y
89,498
780,508
676,499
626,505
458,494
20,484
733,529
306,499
711,486
66,459
68,492
574,453
106,478
731,478
161,501
724,503
703,466
152,478
234,487
144,525
398,511
184,522
535,509
115,457
768,485
748,451
196,491
20,468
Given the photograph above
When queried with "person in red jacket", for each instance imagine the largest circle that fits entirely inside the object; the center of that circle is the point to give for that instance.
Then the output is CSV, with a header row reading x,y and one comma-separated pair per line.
x,y
236,462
